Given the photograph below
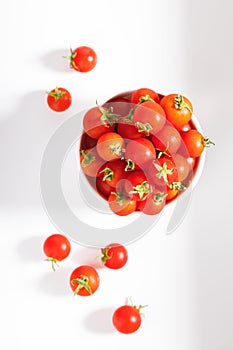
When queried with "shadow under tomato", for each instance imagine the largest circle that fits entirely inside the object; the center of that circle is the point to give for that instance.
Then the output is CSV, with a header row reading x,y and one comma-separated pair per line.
x,y
88,256
100,321
30,249
55,60
55,283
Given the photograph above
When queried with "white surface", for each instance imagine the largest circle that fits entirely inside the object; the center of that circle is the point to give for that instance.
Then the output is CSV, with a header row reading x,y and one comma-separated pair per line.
x,y
186,278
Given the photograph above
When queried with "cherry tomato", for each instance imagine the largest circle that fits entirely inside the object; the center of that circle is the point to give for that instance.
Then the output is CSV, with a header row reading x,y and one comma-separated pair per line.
x,y
83,59
120,204
59,99
114,256
140,151
162,171
149,117
136,185
110,146
56,247
103,187
127,129
182,166
195,142
127,319
87,142
153,204
143,95
114,172
168,139
84,280
99,120
90,162
178,109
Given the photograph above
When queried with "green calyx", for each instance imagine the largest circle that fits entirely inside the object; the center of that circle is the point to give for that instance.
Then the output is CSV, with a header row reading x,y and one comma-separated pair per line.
x,y
139,307
180,103
105,256
109,173
88,158
83,282
130,165
163,171
142,190
53,261
129,118
117,149
144,127
207,142
145,98
120,199
177,186
159,197
57,94
107,116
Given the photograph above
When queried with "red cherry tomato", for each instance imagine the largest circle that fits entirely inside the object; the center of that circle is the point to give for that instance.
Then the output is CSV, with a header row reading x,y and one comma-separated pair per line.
x,y
56,247
114,256
143,95
162,171
84,280
195,142
90,162
83,59
99,120
127,129
87,142
110,146
149,117
136,185
114,171
121,205
140,151
127,319
168,139
103,187
59,99
153,204
182,166
178,109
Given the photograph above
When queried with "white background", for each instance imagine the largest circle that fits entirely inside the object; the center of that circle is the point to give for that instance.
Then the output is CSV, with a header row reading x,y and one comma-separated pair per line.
x,y
186,278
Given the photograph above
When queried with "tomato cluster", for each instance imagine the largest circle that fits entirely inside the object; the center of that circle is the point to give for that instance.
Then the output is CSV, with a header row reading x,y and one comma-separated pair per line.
x,y
140,150
84,280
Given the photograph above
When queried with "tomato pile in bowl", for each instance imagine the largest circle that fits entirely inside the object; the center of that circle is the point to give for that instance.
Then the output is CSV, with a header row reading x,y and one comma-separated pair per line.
x,y
140,150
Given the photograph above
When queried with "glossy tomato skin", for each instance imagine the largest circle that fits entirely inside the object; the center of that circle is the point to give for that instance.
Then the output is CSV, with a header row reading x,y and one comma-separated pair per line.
x,y
136,185
141,151
122,207
83,59
84,280
154,203
90,162
144,94
57,247
149,117
194,142
114,256
126,319
167,139
110,146
93,125
59,99
178,109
